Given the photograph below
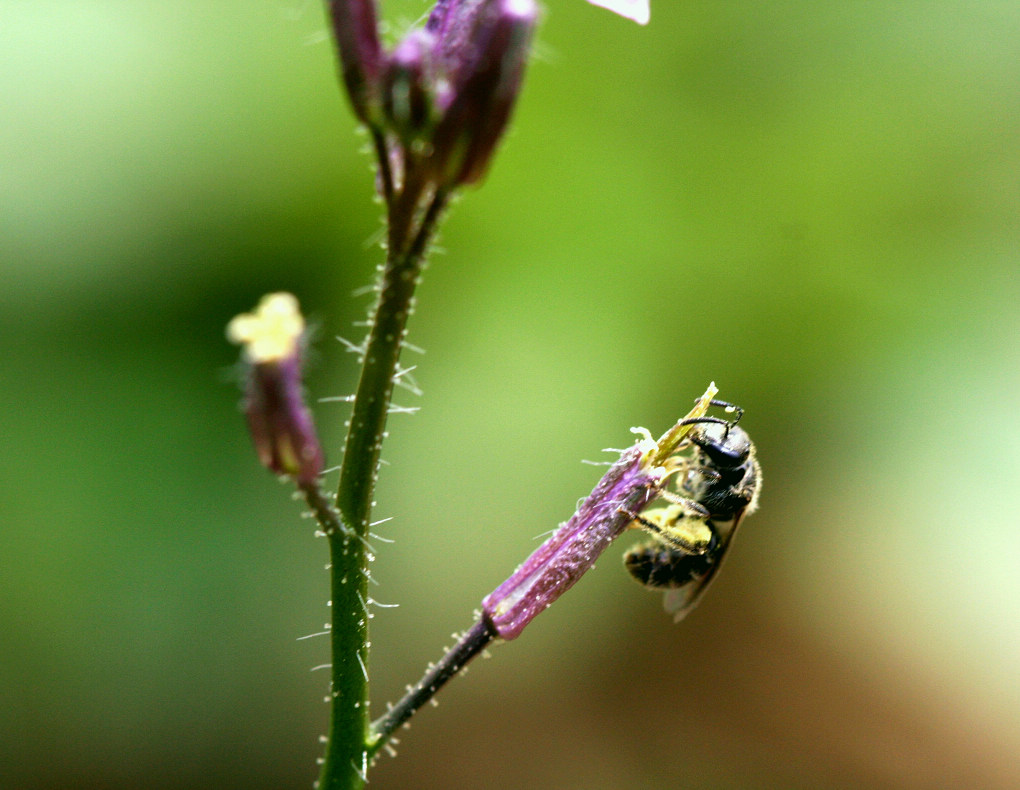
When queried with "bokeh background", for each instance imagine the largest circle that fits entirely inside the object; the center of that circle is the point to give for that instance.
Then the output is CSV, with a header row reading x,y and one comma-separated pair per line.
x,y
813,204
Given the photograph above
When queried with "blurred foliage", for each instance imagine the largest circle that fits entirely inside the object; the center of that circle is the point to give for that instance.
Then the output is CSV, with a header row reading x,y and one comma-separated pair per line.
x,y
814,205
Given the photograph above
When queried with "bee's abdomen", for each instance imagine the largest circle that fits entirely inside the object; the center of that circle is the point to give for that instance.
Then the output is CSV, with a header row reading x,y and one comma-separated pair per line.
x,y
654,564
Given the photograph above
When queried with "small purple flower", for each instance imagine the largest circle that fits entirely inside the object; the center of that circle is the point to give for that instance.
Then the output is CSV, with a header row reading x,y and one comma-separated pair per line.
x,y
630,485
278,419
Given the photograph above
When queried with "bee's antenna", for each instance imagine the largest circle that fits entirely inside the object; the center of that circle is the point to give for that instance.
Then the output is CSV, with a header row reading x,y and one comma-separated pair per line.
x,y
730,407
700,420
739,412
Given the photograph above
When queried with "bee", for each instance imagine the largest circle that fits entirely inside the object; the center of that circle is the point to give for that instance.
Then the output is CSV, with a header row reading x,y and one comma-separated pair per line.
x,y
716,486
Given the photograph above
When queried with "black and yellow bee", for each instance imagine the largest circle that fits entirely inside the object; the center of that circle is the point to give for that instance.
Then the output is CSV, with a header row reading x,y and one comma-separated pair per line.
x,y
716,486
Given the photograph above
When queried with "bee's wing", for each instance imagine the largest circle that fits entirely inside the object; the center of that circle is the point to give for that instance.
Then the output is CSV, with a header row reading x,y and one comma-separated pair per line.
x,y
679,601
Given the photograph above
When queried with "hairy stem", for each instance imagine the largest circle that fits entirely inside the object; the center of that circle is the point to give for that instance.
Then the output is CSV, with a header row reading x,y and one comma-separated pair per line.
x,y
468,646
322,508
413,214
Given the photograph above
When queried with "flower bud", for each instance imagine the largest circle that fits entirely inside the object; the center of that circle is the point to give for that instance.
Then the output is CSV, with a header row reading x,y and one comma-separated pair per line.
x,y
482,48
408,99
279,421
361,56
443,97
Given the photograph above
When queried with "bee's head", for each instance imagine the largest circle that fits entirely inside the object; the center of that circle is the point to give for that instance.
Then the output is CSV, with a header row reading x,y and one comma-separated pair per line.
x,y
726,446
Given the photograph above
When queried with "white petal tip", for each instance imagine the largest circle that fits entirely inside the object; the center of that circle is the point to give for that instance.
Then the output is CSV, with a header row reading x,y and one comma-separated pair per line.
x,y
631,9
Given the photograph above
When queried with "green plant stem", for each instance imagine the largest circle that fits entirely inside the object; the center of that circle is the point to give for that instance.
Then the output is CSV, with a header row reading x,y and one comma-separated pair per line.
x,y
382,157
413,214
346,761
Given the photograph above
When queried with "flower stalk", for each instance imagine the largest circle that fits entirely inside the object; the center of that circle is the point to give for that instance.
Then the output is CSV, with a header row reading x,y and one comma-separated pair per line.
x,y
436,107
347,754
630,485
470,644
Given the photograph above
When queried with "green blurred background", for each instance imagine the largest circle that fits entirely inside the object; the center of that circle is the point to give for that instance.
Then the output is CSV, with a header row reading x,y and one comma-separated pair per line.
x,y
813,204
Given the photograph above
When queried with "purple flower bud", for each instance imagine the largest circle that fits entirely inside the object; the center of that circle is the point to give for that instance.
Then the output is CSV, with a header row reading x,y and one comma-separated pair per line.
x,y
482,47
629,486
361,55
442,99
452,23
279,421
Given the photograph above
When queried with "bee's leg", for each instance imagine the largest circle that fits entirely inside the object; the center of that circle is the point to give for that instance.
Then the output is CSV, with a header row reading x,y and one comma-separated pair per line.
x,y
698,476
638,521
687,535
695,509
